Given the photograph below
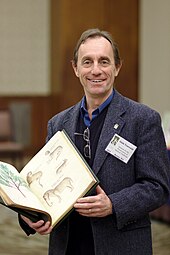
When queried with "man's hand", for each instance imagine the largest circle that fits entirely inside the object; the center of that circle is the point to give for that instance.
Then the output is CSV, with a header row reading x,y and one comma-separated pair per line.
x,y
39,226
94,206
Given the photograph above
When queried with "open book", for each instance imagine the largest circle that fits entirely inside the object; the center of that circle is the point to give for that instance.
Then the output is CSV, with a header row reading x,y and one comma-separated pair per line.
x,y
51,182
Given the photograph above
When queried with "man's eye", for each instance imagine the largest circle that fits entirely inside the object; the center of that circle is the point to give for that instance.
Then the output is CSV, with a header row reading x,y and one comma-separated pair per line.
x,y
105,63
87,63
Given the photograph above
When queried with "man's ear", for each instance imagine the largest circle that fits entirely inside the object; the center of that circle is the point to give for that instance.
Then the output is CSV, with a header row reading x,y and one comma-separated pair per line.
x,y
118,69
74,68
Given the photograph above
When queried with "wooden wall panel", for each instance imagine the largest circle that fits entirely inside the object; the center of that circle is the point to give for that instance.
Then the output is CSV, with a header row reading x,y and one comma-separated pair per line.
x,y
69,19
122,22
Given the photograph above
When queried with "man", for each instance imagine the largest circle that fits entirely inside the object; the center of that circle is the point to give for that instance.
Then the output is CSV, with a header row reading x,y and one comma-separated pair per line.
x,y
133,172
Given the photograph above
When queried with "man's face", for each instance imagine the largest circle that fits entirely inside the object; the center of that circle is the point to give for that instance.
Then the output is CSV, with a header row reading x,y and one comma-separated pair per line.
x,y
96,67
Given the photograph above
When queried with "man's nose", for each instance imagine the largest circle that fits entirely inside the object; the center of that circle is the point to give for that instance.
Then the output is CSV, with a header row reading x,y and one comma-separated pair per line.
x,y
96,68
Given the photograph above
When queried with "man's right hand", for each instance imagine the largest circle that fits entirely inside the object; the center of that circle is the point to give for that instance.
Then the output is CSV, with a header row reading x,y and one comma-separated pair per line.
x,y
41,227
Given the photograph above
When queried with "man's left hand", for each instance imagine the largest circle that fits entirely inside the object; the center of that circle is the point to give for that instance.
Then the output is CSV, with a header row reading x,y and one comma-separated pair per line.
x,y
94,206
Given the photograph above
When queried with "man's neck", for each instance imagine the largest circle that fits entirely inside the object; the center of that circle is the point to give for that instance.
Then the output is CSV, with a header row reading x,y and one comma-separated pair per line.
x,y
94,103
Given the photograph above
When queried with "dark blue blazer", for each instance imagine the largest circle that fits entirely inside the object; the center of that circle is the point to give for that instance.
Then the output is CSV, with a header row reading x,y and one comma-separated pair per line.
x,y
135,188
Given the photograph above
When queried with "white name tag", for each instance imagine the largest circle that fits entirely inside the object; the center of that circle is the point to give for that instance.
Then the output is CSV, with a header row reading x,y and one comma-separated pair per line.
x,y
121,148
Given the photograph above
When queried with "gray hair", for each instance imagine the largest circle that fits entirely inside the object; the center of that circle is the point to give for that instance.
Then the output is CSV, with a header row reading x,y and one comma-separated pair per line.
x,y
92,33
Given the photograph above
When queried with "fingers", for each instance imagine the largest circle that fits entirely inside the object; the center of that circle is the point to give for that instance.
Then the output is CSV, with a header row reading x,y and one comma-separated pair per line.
x,y
40,226
42,229
94,206
89,212
90,199
99,190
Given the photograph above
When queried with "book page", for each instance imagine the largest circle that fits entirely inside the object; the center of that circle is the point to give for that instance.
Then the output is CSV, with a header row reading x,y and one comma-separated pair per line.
x,y
14,190
58,175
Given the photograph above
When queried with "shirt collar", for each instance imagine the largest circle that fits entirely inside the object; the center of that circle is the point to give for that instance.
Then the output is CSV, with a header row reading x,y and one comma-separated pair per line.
x,y
96,112
101,107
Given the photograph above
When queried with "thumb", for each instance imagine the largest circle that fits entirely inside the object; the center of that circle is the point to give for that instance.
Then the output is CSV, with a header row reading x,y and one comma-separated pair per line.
x,y
99,190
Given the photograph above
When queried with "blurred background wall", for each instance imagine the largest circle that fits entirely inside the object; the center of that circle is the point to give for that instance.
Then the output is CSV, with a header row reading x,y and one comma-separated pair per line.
x,y
154,51
24,47
37,38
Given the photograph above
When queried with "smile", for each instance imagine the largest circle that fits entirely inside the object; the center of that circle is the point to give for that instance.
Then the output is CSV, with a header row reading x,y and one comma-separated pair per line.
x,y
96,81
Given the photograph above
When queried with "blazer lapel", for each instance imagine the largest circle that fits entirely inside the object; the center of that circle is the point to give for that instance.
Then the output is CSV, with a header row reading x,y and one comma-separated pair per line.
x,y
70,121
113,124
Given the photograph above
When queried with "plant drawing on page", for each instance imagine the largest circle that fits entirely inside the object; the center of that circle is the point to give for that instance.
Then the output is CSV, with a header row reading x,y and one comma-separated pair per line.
x,y
8,178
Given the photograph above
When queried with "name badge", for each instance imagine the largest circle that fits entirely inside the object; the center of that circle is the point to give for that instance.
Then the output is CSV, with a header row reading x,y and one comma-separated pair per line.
x,y
121,148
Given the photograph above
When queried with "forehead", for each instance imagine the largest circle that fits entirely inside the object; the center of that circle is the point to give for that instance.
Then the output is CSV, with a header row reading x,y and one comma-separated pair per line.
x,y
98,46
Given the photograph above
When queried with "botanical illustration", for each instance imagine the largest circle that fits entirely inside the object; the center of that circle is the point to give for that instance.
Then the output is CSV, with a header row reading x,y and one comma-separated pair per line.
x,y
10,179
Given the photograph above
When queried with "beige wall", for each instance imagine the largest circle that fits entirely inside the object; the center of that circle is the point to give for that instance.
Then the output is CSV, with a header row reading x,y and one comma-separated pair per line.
x,y
25,43
154,65
24,47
